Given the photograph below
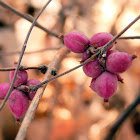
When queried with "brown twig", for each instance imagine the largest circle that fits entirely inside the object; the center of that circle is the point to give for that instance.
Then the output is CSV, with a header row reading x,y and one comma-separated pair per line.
x,y
21,55
123,117
29,18
22,68
130,37
104,49
38,51
33,106
100,52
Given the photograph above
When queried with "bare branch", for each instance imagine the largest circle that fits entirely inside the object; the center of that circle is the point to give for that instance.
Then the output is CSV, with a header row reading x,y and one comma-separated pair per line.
x,y
118,35
27,17
21,55
123,117
130,37
33,106
100,51
38,51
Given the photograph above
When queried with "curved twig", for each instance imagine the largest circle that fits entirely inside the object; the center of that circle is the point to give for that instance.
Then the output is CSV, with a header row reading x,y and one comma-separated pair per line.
x,y
33,106
21,55
29,18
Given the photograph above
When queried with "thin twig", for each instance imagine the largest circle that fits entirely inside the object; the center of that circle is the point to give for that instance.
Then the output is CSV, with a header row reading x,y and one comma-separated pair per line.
x,y
130,37
29,18
20,68
33,106
123,117
100,51
64,73
38,51
21,55
118,35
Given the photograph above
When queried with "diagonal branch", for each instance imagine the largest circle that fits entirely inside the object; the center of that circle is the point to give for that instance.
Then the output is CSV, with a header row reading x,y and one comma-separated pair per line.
x,y
100,51
130,37
33,106
125,114
29,18
21,55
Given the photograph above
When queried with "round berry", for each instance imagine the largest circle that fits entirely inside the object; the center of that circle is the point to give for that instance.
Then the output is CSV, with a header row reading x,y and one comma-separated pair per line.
x,y
118,62
100,39
76,42
93,68
92,84
21,78
18,103
4,89
106,85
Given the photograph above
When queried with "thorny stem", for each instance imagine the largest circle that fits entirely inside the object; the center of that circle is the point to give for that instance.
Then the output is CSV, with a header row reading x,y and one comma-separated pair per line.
x,y
99,52
22,53
122,118
29,18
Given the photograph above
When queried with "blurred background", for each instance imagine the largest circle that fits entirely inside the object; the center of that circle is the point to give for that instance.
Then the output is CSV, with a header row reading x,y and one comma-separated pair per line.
x,y
69,109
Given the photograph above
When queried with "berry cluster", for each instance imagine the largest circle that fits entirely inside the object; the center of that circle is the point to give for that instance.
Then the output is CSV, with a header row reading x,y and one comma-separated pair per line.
x,y
18,101
105,74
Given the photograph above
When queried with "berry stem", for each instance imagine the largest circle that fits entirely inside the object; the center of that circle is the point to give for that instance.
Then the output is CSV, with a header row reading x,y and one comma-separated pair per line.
x,y
22,53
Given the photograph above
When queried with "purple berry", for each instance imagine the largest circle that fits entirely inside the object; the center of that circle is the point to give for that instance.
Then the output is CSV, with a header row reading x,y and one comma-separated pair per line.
x,y
32,82
18,103
118,62
85,56
92,84
21,78
106,85
100,39
76,42
4,89
93,68
110,52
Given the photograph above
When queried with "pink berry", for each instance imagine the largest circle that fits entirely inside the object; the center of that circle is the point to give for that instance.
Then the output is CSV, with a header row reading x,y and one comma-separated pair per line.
x,y
106,85
85,56
118,62
18,103
76,42
93,68
21,78
100,39
110,52
32,82
92,84
4,89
